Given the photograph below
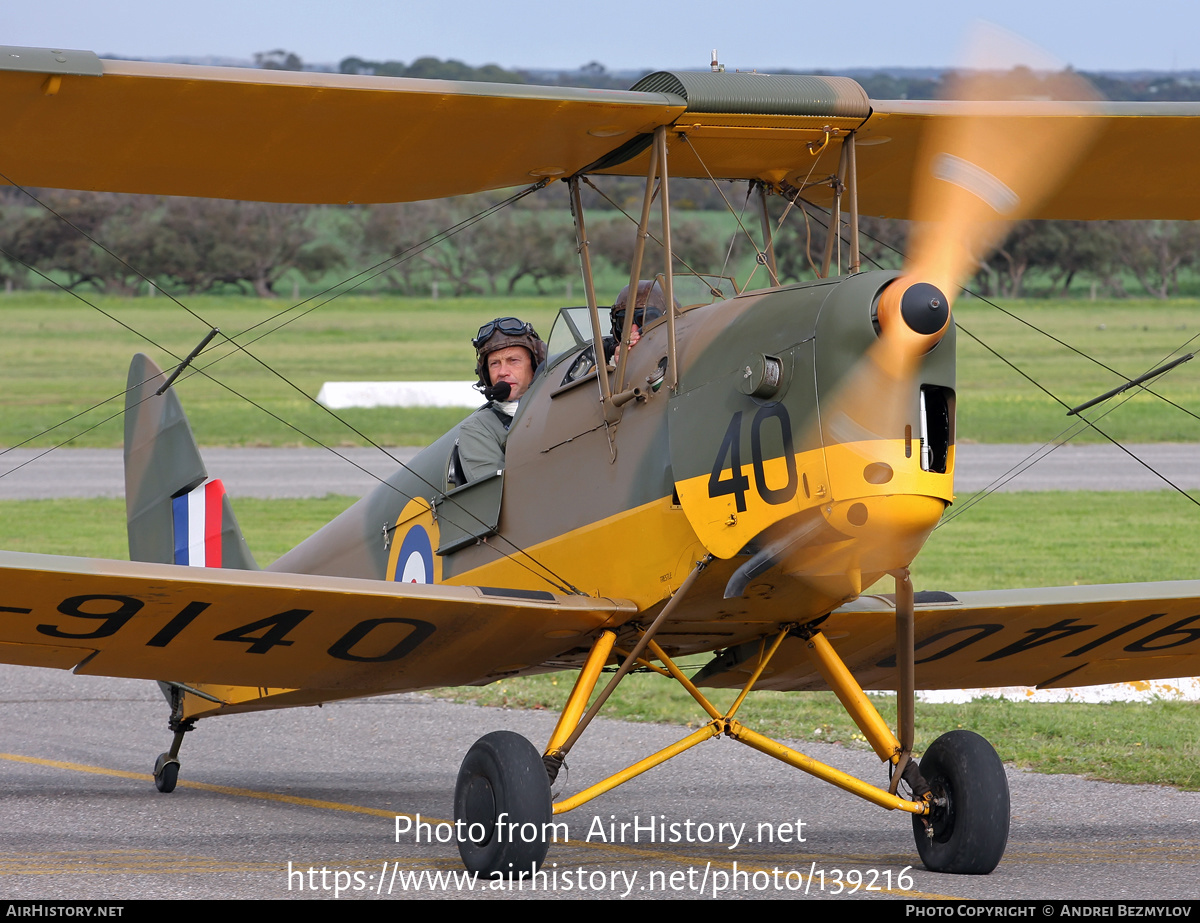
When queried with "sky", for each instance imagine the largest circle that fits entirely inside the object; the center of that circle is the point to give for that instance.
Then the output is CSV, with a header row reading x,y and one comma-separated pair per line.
x,y
620,34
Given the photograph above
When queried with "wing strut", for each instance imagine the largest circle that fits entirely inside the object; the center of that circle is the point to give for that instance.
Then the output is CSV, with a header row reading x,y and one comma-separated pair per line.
x,y
635,266
589,288
611,400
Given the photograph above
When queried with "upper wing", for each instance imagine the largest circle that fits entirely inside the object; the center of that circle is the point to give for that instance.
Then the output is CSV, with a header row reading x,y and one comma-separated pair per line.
x,y
278,136
1139,164
240,628
73,121
1058,636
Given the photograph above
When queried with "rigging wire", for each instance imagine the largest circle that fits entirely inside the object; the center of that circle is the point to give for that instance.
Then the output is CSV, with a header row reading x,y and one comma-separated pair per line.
x,y
760,256
733,239
1012,472
558,581
600,192
1062,438
367,274
1085,420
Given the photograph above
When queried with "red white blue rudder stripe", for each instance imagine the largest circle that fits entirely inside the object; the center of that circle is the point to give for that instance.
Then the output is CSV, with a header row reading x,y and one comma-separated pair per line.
x,y
197,519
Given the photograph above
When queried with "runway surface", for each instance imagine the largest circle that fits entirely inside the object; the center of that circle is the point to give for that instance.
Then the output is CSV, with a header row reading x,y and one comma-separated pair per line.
x,y
320,789
26,474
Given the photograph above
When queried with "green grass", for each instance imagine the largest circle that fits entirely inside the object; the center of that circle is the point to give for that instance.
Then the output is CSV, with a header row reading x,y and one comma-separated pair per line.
x,y
997,404
1079,537
59,357
1063,538
96,528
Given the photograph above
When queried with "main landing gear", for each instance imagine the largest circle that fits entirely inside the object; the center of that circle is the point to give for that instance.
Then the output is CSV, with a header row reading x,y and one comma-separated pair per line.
x,y
958,794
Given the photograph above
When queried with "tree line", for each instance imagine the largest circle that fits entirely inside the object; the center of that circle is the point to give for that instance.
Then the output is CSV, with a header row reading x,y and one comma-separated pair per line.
x,y
113,243
121,244
880,84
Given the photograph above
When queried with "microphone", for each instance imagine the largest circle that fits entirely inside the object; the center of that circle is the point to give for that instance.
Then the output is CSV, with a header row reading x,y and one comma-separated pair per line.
x,y
498,392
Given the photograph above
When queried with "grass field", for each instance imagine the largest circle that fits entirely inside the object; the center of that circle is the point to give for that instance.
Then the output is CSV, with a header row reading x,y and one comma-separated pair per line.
x,y
1009,540
59,357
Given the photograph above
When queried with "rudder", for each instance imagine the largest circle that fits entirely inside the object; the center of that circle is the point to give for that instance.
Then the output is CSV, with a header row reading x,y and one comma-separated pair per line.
x,y
174,513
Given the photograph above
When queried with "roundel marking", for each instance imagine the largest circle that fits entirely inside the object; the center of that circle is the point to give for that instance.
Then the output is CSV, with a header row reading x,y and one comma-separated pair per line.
x,y
415,561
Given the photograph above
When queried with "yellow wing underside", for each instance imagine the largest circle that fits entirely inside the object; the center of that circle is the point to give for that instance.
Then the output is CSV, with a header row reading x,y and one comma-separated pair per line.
x,y
1048,637
343,636
327,138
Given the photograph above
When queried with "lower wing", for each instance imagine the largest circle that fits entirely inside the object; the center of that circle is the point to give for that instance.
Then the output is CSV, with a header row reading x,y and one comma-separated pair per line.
x,y
344,636
1050,637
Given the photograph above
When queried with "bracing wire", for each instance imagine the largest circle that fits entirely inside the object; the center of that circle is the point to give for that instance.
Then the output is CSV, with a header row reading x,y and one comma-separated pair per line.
x,y
1071,431
382,266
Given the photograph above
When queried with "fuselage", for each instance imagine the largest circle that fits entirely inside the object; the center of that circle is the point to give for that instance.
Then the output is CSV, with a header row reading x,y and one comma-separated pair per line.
x,y
785,453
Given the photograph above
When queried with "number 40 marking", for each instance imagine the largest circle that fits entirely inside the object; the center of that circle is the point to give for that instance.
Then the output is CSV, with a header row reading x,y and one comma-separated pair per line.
x,y
737,483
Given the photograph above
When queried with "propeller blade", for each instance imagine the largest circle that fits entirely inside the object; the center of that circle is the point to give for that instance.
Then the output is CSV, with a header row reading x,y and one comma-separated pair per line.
x,y
991,162
986,165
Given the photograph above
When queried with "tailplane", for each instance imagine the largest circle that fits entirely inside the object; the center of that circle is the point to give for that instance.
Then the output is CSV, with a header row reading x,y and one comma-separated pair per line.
x,y
175,514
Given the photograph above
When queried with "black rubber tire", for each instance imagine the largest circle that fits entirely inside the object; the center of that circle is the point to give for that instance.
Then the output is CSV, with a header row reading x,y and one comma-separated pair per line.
x,y
971,830
502,782
166,773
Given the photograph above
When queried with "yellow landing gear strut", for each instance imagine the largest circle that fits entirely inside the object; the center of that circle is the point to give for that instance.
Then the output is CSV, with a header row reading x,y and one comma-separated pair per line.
x,y
826,660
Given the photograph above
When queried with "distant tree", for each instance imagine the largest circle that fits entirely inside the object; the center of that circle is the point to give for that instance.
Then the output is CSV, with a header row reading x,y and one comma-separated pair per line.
x,y
278,60
429,68
540,250
358,66
592,75
886,86
692,243
1026,245
415,236
1150,88
59,241
206,242
1075,248
1155,251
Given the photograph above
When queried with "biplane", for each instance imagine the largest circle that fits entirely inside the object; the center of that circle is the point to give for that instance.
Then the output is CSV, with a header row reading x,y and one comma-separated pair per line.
x,y
727,489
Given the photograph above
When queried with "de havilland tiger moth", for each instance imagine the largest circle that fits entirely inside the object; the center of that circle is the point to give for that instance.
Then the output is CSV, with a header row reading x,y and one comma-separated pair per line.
x,y
727,489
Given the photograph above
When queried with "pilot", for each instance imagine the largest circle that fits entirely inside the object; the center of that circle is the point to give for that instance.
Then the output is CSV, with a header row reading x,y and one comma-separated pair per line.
x,y
651,305
507,352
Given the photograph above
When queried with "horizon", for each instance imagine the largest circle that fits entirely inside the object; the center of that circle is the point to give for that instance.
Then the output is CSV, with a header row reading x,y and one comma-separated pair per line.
x,y
631,34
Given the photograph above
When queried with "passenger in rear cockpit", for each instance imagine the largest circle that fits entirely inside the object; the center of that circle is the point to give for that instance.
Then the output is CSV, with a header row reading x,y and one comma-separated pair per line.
x,y
651,304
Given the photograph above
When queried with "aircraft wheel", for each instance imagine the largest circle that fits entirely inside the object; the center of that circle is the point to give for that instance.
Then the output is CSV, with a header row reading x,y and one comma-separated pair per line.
x,y
971,813
502,806
166,773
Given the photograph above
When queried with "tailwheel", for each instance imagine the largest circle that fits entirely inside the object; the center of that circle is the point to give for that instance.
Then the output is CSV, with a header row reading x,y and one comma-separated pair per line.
x,y
166,773
502,806
166,767
967,830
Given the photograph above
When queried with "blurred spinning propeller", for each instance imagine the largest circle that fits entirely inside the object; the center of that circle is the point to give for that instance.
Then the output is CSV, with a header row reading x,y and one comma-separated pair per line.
x,y
986,162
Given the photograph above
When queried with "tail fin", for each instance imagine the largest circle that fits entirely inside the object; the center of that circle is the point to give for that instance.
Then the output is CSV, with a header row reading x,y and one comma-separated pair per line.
x,y
174,513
